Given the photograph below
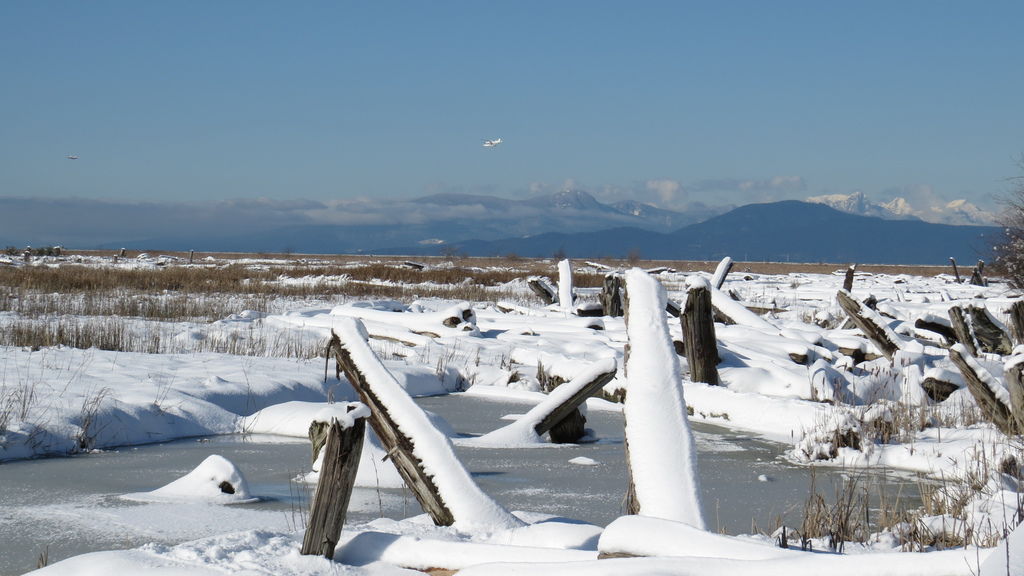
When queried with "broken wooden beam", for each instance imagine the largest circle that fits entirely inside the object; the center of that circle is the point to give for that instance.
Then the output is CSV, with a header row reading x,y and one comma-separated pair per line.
x,y
870,323
956,272
344,445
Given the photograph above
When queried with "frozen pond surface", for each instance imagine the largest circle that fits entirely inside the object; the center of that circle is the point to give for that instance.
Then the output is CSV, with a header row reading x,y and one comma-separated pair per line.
x,y
68,506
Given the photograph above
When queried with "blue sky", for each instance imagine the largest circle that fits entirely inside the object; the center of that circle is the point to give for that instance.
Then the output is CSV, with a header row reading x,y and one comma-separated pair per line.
x,y
680,102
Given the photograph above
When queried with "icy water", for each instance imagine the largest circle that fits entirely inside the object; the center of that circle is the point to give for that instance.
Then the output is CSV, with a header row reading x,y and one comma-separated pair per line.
x,y
68,506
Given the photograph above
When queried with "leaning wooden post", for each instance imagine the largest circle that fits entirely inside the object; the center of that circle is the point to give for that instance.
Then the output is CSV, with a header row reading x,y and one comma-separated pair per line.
x,y
191,256
611,295
698,324
870,323
721,272
334,489
955,271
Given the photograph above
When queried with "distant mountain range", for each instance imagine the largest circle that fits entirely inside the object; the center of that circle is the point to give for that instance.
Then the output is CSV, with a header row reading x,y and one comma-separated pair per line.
x,y
958,212
572,222
788,231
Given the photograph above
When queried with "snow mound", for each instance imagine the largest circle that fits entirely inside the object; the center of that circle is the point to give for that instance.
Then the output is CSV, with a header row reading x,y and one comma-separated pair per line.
x,y
215,480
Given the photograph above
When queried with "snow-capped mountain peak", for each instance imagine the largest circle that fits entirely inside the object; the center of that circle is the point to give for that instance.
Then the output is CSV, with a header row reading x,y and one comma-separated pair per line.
x,y
959,212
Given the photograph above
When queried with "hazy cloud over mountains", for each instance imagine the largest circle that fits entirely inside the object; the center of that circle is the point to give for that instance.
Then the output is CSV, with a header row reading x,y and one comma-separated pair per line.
x,y
659,205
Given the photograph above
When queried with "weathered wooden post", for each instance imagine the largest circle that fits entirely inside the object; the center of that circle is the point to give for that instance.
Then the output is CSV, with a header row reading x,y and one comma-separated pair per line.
x,y
977,275
611,295
848,281
191,256
698,324
344,444
123,252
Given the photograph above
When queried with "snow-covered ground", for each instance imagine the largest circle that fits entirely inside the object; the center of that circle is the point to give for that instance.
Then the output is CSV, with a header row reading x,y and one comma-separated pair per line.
x,y
788,376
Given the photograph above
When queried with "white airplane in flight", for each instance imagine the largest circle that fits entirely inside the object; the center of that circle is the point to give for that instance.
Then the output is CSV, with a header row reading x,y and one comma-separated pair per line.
x,y
72,156
492,143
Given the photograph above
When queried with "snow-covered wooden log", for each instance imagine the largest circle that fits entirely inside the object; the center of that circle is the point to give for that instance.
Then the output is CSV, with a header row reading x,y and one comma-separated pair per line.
x,y
729,311
871,324
991,396
721,272
563,402
422,454
698,325
344,445
611,295
938,325
543,289
660,453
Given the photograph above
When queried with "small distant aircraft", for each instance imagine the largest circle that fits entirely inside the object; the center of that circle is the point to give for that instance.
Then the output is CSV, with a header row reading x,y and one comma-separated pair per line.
x,y
72,156
492,143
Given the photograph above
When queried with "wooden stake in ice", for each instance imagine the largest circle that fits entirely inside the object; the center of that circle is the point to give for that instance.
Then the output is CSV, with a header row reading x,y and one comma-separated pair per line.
x,y
337,477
